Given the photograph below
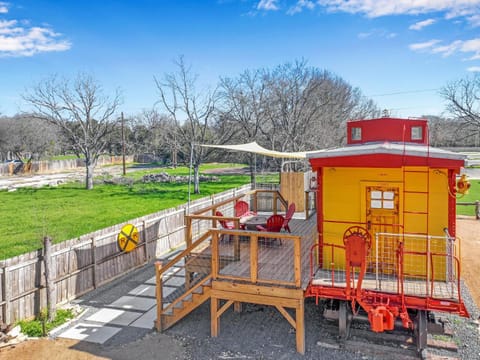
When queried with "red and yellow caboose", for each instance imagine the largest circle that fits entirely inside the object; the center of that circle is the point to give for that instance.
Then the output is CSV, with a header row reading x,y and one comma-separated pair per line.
x,y
386,224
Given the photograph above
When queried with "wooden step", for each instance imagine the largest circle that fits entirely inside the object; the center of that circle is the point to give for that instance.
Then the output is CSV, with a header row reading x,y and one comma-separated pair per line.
x,y
185,307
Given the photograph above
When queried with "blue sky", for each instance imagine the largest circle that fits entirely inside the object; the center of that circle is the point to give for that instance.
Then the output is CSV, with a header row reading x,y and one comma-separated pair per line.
x,y
399,52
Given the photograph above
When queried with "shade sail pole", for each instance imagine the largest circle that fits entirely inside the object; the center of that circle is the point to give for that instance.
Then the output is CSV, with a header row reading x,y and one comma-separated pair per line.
x,y
255,171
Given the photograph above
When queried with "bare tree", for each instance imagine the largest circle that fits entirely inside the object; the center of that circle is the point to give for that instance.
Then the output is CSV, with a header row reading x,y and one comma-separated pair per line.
x,y
161,135
305,107
243,103
25,137
191,111
80,110
463,102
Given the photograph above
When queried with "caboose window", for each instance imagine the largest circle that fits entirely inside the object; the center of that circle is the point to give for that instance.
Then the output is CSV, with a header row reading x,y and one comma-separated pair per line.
x,y
356,133
382,199
417,133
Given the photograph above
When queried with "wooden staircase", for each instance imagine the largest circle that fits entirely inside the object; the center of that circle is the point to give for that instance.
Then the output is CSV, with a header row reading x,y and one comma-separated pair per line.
x,y
185,304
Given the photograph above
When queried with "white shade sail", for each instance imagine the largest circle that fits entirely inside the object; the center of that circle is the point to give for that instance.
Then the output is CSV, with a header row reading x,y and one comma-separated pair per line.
x,y
253,147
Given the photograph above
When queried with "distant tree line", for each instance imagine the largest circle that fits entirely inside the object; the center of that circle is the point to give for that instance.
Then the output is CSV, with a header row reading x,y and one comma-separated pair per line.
x,y
292,107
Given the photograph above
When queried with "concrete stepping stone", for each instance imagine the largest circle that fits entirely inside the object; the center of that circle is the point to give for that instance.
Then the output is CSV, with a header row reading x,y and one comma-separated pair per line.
x,y
114,316
90,332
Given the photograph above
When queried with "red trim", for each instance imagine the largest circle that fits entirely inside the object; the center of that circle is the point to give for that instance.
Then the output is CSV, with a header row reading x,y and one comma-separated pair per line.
x,y
452,203
385,160
320,215
394,300
387,129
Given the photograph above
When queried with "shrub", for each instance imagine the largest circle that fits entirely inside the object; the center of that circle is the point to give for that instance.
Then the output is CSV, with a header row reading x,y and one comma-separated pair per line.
x,y
35,328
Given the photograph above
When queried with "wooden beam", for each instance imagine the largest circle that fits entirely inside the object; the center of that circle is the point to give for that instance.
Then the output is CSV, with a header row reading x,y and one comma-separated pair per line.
x,y
224,308
256,299
267,291
216,205
287,316
214,319
300,328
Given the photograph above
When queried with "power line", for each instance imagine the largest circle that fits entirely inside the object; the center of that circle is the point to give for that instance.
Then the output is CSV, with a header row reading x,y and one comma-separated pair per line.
x,y
404,92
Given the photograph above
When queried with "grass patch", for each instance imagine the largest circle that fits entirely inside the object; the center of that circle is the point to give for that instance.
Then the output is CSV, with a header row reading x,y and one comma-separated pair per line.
x,y
472,196
68,211
40,326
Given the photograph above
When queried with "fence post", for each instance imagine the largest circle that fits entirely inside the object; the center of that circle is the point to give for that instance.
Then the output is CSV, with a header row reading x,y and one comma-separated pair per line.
x,y
477,210
94,263
8,294
49,281
144,235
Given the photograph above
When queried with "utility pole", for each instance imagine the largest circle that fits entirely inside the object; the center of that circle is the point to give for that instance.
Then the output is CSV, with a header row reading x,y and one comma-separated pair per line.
x,y
123,146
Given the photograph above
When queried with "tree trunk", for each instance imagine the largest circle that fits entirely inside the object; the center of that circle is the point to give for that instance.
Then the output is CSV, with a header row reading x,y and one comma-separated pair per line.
x,y
49,283
89,176
253,169
196,179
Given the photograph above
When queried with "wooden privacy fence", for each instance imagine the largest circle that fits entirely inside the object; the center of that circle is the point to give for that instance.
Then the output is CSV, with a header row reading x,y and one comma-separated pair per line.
x,y
82,264
41,167
477,207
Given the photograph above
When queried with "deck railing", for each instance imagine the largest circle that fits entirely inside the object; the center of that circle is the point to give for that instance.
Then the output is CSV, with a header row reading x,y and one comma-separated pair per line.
x,y
263,257
417,265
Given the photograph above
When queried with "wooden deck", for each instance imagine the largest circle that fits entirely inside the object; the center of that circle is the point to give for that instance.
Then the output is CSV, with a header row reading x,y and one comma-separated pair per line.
x,y
264,268
275,257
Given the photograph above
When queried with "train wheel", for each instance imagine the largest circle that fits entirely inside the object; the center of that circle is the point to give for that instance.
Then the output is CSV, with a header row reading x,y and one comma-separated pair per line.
x,y
421,331
344,319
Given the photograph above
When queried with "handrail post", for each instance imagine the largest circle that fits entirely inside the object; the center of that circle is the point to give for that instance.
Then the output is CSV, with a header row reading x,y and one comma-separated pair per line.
x,y
307,204
188,230
159,295
297,262
254,259
215,255
275,197
236,241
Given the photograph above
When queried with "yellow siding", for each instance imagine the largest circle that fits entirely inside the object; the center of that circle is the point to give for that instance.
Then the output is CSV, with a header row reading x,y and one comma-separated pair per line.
x,y
344,205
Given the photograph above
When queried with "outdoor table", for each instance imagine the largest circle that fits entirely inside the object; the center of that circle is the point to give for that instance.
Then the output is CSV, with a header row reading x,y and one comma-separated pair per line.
x,y
251,222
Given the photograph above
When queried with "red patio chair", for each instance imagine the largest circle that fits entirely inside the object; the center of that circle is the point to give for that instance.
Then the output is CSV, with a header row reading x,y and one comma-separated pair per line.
x,y
288,217
225,224
242,209
274,224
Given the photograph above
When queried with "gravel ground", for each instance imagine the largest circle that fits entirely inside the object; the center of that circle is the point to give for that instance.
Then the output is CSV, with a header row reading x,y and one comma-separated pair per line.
x,y
259,332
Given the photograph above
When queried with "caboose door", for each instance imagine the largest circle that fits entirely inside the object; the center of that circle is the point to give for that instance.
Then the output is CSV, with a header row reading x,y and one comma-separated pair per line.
x,y
382,216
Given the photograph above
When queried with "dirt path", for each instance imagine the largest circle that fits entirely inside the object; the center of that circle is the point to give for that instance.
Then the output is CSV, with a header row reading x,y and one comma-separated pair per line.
x,y
167,347
468,229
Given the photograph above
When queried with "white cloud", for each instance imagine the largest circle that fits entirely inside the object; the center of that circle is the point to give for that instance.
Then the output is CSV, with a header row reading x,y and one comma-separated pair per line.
x,y
300,5
469,47
3,7
424,46
474,69
421,24
382,33
453,8
269,5
18,40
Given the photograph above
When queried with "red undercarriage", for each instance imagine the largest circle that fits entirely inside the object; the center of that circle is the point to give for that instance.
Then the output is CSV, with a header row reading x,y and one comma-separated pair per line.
x,y
383,308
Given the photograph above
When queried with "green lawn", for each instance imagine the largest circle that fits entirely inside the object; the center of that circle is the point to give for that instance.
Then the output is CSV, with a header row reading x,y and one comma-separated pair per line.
x,y
472,196
69,210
